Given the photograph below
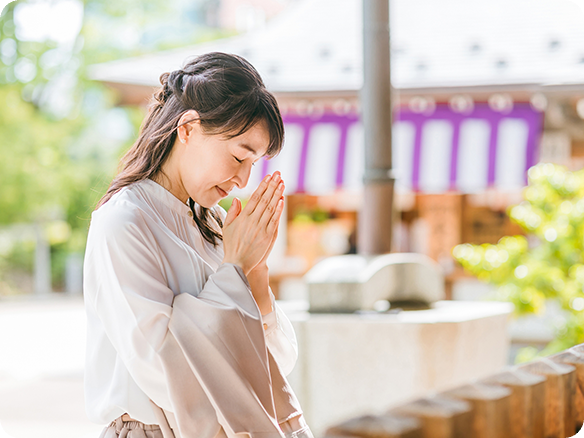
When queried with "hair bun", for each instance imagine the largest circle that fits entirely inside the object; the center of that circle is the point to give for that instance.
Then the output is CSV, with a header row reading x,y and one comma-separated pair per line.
x,y
162,95
175,82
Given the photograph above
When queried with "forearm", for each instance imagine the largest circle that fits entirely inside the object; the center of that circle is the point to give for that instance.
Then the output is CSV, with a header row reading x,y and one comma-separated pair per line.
x,y
280,336
259,281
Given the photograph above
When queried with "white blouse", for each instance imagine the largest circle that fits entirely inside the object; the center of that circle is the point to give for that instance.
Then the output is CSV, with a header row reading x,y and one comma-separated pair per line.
x,y
143,249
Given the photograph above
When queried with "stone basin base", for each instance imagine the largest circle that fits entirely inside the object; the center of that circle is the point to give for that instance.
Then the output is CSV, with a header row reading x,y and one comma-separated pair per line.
x,y
354,364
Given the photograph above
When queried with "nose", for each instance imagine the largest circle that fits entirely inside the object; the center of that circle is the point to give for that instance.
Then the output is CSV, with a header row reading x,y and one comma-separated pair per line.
x,y
241,178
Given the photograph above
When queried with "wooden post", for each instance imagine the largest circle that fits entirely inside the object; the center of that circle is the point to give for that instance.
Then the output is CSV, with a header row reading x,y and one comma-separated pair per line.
x,y
560,387
527,401
490,406
443,217
576,359
441,417
375,217
42,263
378,426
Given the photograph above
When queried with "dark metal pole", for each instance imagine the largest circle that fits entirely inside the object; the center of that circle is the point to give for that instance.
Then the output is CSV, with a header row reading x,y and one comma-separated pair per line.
x,y
375,218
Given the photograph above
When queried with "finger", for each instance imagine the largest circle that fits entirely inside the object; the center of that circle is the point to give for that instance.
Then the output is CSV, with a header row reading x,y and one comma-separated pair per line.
x,y
257,195
275,219
271,246
233,212
267,197
274,238
274,234
272,204
268,194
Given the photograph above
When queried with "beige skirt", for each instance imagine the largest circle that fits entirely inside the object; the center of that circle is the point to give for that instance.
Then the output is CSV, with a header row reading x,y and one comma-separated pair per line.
x,y
294,428
131,429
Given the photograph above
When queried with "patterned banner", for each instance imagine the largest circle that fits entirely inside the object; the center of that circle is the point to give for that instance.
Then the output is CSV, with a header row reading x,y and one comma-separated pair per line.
x,y
432,153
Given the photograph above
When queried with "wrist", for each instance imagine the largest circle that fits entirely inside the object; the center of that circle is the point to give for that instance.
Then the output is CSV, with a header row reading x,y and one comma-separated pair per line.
x,y
262,268
259,280
236,263
259,275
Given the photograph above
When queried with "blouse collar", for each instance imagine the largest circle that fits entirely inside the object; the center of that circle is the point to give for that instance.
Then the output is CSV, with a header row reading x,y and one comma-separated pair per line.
x,y
167,198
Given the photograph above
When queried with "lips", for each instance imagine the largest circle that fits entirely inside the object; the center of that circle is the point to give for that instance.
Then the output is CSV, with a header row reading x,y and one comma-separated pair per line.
x,y
222,192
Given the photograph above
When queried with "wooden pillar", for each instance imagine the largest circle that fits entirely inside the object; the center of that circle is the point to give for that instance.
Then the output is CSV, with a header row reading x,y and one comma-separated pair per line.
x,y
375,218
560,388
442,215
576,359
378,426
527,404
441,417
490,407
42,262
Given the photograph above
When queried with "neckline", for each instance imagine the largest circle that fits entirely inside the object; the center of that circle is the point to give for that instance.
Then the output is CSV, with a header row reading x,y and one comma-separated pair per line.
x,y
166,197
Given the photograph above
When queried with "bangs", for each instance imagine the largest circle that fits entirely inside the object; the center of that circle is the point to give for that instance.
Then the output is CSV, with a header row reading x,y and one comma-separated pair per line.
x,y
254,110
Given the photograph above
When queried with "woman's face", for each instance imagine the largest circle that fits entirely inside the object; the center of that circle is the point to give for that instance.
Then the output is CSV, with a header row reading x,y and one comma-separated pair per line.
x,y
210,166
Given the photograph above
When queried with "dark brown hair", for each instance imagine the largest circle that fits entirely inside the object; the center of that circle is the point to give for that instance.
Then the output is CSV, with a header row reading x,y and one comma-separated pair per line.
x,y
230,97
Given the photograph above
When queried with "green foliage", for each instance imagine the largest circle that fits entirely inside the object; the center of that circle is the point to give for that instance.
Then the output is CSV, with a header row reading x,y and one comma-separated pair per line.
x,y
58,155
136,27
549,265
10,52
44,181
309,215
35,172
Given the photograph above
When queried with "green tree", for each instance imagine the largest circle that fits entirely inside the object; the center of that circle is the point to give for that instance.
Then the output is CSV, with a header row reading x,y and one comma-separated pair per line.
x,y
549,265
61,134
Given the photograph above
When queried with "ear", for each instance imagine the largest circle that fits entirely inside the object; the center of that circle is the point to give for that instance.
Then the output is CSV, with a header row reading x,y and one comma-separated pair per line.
x,y
186,124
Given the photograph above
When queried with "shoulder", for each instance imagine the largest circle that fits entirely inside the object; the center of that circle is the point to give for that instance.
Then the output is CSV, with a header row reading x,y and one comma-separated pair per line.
x,y
124,215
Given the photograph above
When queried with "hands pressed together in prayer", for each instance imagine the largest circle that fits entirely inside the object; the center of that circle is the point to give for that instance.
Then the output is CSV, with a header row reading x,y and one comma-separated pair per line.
x,y
249,235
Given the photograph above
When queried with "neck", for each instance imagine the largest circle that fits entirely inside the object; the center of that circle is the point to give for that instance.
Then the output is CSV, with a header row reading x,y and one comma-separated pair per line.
x,y
169,178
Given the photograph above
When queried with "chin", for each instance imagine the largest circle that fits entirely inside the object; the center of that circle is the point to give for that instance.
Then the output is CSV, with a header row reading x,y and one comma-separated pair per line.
x,y
210,202
206,199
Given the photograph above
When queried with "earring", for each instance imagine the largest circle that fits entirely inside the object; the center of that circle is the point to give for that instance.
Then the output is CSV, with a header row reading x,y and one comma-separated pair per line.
x,y
182,140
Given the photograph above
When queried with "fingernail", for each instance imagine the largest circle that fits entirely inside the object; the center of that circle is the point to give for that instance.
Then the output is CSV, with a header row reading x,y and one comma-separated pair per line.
x,y
277,177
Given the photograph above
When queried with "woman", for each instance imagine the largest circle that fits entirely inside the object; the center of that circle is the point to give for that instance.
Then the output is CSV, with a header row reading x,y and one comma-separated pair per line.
x,y
184,336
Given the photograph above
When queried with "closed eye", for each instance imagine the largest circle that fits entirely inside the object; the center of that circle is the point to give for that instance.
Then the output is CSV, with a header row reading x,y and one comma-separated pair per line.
x,y
241,161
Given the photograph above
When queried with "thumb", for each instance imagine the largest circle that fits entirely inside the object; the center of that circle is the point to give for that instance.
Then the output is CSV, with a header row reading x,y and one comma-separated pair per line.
x,y
233,211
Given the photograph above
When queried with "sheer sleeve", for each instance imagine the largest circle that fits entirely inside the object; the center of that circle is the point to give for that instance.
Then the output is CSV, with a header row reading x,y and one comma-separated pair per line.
x,y
279,333
125,286
162,338
280,338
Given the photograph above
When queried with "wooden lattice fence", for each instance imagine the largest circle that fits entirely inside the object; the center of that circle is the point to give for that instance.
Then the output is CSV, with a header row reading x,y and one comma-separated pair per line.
x,y
540,399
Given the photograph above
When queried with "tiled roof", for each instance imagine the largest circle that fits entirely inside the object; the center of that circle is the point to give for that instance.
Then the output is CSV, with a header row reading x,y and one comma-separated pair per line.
x,y
316,45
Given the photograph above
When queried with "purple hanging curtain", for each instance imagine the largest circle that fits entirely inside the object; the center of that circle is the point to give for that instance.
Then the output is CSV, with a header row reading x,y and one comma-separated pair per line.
x,y
441,151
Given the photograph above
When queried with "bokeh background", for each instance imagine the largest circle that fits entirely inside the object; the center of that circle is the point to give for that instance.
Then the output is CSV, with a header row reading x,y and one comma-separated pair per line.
x,y
488,144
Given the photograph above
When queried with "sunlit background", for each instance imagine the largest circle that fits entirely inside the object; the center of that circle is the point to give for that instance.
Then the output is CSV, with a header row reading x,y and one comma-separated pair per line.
x,y
488,147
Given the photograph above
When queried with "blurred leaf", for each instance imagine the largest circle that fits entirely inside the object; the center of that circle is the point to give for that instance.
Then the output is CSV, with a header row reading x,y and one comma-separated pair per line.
x,y
553,211
57,158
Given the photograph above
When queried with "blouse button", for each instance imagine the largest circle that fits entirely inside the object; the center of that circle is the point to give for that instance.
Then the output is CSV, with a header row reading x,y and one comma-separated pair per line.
x,y
265,326
190,213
